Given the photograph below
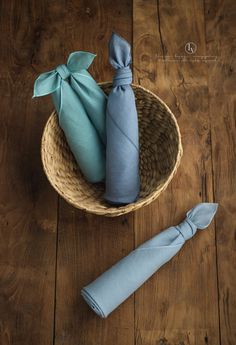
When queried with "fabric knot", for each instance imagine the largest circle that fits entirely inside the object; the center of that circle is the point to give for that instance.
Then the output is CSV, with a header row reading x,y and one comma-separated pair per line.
x,y
187,229
63,71
123,76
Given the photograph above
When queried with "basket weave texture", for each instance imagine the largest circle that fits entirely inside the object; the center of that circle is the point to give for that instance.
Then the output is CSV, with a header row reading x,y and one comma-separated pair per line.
x,y
160,154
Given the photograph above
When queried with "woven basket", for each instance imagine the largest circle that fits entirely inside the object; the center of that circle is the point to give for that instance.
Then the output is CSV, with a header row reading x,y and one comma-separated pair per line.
x,y
160,154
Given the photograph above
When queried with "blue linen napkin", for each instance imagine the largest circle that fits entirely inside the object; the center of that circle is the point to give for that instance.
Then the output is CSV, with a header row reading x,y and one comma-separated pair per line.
x,y
114,286
81,107
122,151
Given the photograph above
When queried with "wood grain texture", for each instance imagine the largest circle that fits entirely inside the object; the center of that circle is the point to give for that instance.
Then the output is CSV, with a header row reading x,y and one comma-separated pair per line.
x,y
87,244
179,305
190,301
220,36
28,206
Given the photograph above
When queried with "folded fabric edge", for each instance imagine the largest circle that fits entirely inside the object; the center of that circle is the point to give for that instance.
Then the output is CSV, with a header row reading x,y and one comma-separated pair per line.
x,y
115,34
202,214
92,303
79,60
121,201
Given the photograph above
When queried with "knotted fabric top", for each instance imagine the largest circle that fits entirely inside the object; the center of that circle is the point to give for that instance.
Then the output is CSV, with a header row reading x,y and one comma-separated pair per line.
x,y
120,59
187,229
115,285
81,107
123,76
48,82
63,71
122,151
197,218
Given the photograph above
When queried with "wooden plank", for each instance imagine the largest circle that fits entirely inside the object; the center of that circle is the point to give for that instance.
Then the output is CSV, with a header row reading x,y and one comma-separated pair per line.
x,y
179,305
220,38
90,244
28,205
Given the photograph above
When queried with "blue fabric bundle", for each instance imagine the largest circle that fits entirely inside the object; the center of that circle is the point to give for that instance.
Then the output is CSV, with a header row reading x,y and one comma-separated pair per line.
x,y
122,151
81,108
114,286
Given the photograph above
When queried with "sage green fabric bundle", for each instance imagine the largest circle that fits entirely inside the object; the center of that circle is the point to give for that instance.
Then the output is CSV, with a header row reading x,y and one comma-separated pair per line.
x,y
81,107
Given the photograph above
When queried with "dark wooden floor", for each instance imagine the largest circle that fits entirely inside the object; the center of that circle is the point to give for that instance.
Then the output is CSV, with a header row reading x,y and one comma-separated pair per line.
x,y
49,250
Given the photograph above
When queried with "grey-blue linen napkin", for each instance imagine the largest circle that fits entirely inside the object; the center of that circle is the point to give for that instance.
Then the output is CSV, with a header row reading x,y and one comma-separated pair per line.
x,y
114,286
122,150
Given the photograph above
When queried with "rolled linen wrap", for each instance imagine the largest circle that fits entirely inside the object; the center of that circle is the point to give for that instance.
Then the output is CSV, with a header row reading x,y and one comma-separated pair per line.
x,y
122,150
81,107
114,286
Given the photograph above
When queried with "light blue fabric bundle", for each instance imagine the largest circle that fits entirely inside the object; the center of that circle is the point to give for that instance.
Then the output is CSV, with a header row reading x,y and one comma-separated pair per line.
x,y
122,151
114,286
81,108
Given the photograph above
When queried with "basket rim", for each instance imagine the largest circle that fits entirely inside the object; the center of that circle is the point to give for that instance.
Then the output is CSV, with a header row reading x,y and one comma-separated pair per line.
x,y
112,211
